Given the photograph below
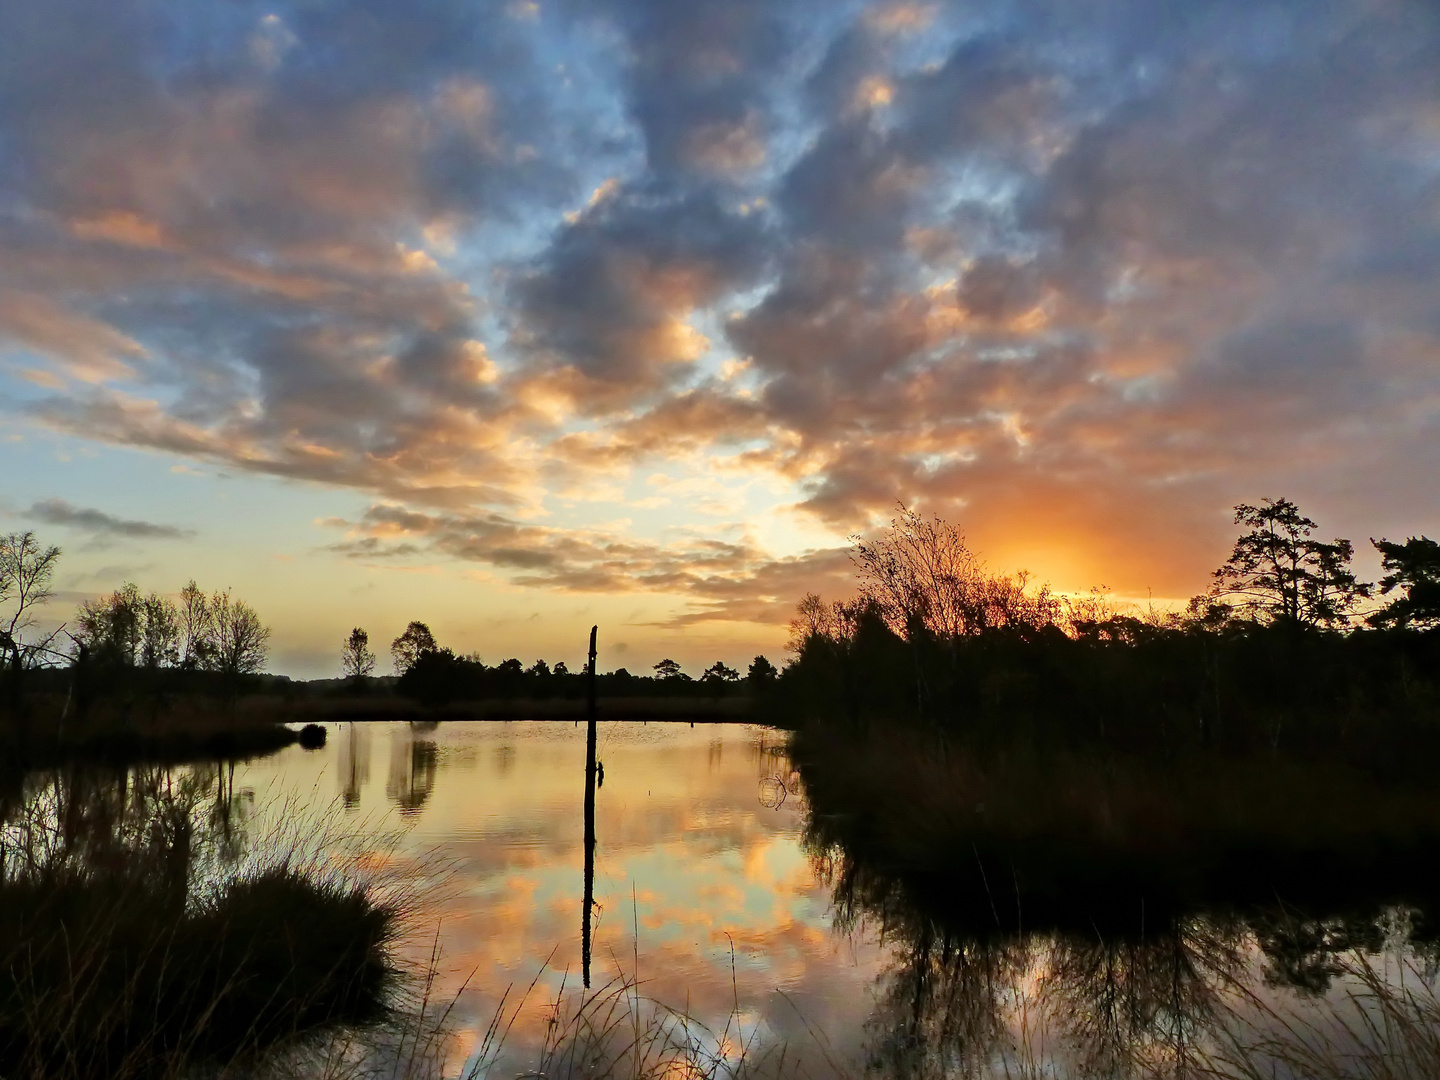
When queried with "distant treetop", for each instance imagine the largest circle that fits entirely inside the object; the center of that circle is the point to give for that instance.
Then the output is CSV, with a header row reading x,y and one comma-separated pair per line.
x,y
410,645
1277,572
1412,568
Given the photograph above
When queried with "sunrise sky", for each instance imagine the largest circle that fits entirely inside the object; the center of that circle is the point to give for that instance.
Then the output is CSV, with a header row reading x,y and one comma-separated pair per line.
x,y
518,317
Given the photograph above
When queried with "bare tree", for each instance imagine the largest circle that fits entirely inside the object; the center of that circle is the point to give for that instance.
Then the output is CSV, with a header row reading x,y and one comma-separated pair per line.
x,y
835,622
240,638
26,570
356,659
926,580
813,618
217,633
923,576
197,626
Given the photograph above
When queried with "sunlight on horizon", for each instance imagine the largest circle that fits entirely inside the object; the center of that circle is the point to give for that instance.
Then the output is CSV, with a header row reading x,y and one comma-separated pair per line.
x,y
513,320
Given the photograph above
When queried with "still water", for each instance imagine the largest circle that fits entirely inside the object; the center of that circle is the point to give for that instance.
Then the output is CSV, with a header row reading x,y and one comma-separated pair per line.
x,y
786,932
719,889
701,881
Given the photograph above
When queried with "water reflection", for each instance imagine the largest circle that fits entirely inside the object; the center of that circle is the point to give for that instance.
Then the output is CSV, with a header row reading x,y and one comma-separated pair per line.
x,y
717,875
88,820
1093,983
714,884
778,776
504,759
412,768
353,767
954,1004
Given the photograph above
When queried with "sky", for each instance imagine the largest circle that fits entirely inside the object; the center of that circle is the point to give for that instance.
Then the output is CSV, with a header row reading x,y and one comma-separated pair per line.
x,y
519,317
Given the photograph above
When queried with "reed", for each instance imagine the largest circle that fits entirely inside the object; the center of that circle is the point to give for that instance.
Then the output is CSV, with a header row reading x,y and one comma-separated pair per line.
x,y
617,1031
137,941
1382,1024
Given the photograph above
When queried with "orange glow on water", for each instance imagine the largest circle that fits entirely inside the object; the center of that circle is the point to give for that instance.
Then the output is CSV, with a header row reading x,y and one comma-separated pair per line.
x,y
488,821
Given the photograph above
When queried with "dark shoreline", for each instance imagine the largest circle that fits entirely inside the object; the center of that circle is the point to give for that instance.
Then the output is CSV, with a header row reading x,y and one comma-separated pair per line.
x,y
988,843
726,710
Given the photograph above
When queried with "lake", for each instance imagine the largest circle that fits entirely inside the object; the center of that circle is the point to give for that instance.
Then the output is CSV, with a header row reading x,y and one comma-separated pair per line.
x,y
733,916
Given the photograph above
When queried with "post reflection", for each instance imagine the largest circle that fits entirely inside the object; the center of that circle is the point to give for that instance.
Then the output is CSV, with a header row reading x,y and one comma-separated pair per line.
x,y
908,969
353,766
587,903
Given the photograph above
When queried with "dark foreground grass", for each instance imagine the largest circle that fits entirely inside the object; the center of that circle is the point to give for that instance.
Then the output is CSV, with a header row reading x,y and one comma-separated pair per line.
x,y
119,976
147,931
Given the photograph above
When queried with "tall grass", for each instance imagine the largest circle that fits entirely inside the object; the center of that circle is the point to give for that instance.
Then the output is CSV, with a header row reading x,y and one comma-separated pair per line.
x,y
137,939
617,1031
117,978
1383,1023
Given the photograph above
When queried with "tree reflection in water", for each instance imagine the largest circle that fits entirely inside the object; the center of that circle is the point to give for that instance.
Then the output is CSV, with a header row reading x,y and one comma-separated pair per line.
x,y
1101,987
177,827
413,761
353,767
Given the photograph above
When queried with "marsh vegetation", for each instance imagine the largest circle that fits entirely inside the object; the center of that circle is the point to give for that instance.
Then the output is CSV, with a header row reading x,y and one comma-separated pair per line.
x,y
1281,656
144,932
1111,842
1081,918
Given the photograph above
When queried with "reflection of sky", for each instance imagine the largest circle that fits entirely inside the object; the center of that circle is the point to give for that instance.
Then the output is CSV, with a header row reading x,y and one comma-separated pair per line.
x,y
686,853
697,882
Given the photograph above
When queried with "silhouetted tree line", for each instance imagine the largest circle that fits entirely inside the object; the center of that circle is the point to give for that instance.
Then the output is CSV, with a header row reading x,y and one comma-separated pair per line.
x,y
128,649
1287,650
436,675
136,647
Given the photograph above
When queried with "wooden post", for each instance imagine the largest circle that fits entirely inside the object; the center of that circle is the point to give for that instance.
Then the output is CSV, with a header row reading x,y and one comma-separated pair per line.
x,y
589,812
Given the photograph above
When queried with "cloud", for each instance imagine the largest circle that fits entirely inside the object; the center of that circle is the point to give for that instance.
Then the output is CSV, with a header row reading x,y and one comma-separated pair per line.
x,y
719,579
612,297
247,242
60,513
697,80
1078,274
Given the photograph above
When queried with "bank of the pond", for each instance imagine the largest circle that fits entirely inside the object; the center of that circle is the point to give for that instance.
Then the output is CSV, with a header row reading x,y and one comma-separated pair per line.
x,y
338,708
189,733
111,976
